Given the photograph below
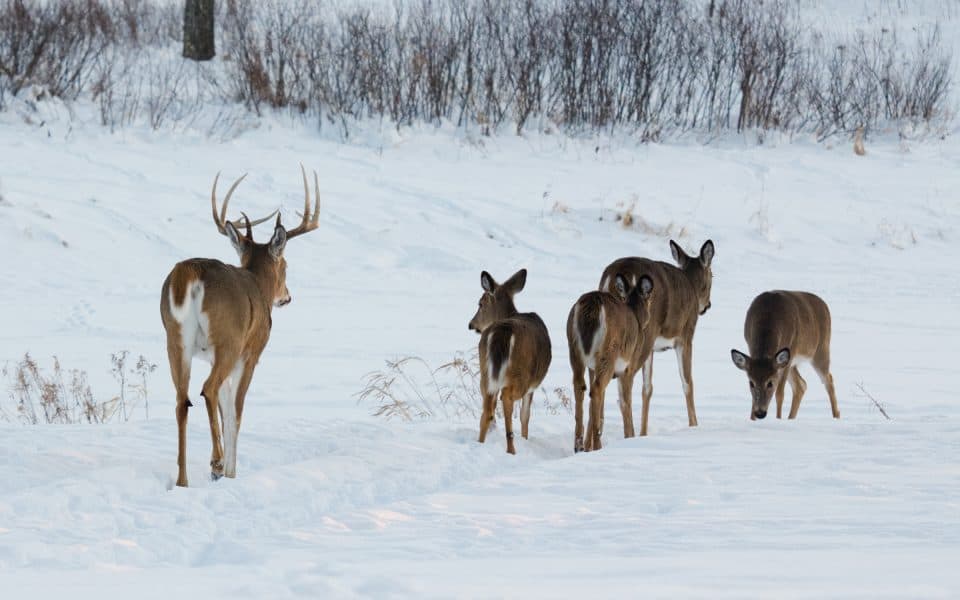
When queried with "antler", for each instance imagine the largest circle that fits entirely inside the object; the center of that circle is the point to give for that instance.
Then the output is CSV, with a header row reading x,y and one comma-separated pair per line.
x,y
221,220
310,221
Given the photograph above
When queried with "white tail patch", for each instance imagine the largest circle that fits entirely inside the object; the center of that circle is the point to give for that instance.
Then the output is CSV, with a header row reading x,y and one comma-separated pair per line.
x,y
598,336
496,382
194,324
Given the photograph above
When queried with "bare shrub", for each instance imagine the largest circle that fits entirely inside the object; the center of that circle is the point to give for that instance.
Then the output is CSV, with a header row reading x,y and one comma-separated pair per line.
x,y
409,388
60,397
656,67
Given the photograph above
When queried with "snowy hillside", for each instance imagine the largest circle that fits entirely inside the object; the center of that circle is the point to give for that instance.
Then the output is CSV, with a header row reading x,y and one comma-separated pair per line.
x,y
332,501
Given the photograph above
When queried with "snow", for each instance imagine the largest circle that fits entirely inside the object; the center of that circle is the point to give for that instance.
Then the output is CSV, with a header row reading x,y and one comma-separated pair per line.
x,y
330,501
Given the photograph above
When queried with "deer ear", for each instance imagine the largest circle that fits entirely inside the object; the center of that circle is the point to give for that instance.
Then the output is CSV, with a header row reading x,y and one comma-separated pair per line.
x,y
279,240
487,282
621,286
740,359
516,281
646,286
679,255
782,358
239,242
706,253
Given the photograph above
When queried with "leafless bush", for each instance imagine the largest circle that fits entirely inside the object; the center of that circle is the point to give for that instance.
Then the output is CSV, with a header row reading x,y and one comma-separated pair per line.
x,y
655,67
409,388
59,397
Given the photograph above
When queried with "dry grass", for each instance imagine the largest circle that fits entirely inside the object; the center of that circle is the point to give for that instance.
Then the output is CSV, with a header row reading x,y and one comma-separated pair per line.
x,y
410,388
626,215
57,396
874,401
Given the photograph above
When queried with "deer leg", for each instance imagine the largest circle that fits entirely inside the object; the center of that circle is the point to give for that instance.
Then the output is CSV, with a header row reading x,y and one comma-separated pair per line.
x,y
646,393
180,371
781,385
211,393
508,398
799,386
486,417
598,383
626,401
579,388
525,415
241,394
684,352
822,367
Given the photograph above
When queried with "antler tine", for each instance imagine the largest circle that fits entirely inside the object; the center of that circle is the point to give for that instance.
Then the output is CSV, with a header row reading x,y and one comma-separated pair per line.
x,y
213,205
316,196
309,221
221,219
249,226
255,222
226,200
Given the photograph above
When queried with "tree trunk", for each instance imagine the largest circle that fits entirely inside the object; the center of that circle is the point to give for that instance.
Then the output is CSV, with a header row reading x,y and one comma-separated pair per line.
x,y
198,30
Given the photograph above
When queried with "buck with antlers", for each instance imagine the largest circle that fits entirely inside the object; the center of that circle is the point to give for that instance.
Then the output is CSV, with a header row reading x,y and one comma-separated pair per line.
x,y
221,313
514,353
606,334
783,329
682,296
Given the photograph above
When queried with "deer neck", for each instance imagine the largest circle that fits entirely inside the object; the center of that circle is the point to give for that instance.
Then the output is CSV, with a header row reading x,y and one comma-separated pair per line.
x,y
265,275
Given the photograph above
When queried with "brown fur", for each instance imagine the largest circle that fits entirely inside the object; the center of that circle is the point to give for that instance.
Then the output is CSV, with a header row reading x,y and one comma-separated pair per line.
x,y
237,304
682,295
624,318
514,348
181,277
781,328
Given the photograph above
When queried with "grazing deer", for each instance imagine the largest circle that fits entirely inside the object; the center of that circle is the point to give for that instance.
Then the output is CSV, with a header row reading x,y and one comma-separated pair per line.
x,y
221,313
782,329
514,353
605,333
683,295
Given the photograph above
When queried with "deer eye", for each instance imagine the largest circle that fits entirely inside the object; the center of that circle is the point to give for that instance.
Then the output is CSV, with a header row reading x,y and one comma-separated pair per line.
x,y
752,386
769,384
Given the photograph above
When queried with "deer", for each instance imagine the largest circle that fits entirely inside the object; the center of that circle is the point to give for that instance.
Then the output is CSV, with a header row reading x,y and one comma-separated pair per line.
x,y
783,329
221,313
606,334
682,297
514,354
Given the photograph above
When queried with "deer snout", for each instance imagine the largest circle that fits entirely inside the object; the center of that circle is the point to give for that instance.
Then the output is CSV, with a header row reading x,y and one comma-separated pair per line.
x,y
285,300
759,414
473,327
705,309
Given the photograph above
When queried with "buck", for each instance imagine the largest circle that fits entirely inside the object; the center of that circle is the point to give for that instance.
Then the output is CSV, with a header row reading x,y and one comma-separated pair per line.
x,y
683,295
606,334
514,353
783,329
222,314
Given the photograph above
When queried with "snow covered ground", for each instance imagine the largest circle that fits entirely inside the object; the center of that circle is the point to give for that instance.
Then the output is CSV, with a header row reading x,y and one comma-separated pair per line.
x,y
332,502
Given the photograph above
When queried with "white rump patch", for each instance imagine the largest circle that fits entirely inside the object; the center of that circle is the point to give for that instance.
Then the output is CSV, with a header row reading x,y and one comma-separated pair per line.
x,y
194,324
598,336
495,384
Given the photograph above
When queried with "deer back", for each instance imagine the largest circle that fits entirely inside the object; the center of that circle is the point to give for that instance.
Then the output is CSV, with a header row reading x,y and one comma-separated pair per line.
x,y
602,327
797,321
674,308
516,351
236,311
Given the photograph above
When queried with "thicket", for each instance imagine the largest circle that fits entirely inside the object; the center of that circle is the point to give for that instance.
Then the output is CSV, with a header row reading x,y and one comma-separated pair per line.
x,y
654,67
